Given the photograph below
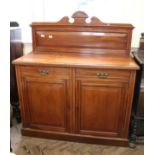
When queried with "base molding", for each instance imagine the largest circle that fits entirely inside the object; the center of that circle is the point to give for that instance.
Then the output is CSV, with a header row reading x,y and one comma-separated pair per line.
x,y
74,137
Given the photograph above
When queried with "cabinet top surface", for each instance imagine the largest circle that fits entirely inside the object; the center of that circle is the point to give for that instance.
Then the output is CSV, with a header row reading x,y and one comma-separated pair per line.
x,y
77,60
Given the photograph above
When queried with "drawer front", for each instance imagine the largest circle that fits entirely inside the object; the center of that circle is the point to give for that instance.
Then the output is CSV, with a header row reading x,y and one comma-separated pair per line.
x,y
102,74
45,71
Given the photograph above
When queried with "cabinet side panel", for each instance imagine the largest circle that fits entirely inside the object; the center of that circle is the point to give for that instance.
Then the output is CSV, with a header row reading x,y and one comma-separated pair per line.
x,y
21,96
129,103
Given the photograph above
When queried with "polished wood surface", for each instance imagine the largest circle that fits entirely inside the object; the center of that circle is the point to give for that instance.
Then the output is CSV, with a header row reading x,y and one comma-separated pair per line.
x,y
95,73
77,83
94,100
78,60
45,95
102,104
79,36
81,39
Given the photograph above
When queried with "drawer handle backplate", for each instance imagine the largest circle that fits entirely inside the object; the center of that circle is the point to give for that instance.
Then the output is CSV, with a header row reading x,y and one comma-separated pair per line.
x,y
43,72
102,74
42,36
50,36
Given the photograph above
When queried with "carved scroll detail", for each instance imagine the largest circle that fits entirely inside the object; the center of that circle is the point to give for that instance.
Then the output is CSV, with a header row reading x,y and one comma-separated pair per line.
x,y
80,18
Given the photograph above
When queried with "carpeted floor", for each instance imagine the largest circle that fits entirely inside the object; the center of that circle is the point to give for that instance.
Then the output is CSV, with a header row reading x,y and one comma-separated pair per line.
x,y
38,146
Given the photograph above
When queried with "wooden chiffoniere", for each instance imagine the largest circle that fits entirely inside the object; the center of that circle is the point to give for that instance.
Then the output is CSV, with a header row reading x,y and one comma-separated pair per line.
x,y
77,84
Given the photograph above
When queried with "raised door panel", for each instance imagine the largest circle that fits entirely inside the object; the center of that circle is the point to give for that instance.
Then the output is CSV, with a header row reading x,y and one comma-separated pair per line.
x,y
101,107
46,103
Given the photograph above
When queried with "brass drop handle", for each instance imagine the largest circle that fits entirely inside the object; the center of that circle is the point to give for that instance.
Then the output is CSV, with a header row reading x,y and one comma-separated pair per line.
x,y
43,72
102,74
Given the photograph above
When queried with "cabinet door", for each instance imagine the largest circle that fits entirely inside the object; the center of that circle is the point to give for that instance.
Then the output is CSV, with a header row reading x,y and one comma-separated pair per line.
x,y
45,103
101,107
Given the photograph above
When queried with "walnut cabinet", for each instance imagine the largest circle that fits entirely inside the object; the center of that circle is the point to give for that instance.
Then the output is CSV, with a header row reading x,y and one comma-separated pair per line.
x,y
77,83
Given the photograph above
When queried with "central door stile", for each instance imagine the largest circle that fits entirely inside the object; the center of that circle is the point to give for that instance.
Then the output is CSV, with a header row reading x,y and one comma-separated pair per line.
x,y
72,100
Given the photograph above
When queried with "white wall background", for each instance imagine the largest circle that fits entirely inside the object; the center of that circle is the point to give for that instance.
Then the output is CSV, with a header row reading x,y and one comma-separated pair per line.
x,y
112,11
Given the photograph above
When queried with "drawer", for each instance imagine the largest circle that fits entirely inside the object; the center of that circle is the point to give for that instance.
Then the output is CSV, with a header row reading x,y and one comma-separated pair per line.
x,y
102,73
44,71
